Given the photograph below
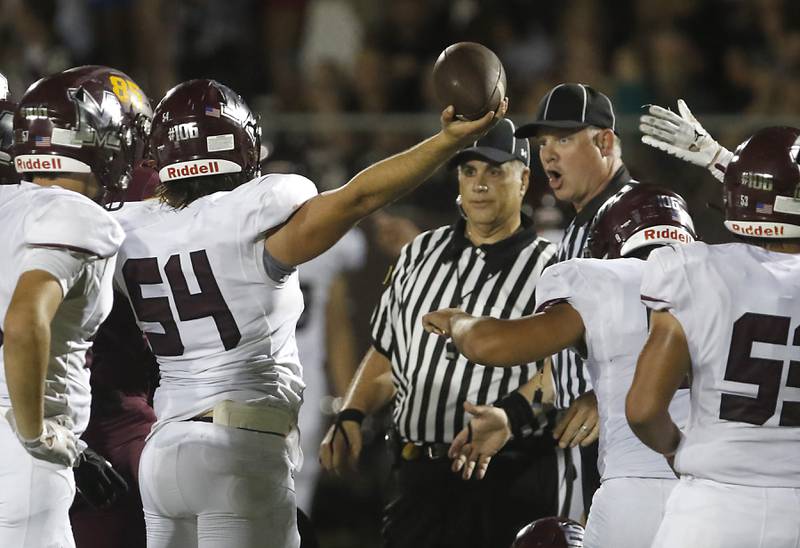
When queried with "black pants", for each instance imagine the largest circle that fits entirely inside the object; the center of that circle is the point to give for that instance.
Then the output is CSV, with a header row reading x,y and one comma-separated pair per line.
x,y
590,474
435,508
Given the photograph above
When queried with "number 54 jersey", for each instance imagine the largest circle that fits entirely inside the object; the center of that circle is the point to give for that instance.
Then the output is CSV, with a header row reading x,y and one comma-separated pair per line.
x,y
197,279
739,306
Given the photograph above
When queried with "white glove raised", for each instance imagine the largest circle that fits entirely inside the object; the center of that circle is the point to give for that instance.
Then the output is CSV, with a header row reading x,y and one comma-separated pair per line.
x,y
684,137
57,443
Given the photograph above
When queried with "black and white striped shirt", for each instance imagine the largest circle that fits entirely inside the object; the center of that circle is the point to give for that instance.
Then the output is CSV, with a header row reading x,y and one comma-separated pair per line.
x,y
443,269
568,373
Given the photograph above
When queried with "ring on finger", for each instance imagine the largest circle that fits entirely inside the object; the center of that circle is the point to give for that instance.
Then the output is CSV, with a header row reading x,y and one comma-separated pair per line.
x,y
584,427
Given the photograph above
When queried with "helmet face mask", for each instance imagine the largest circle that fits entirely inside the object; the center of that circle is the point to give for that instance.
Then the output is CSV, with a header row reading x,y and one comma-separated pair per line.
x,y
202,128
762,186
8,175
641,217
88,119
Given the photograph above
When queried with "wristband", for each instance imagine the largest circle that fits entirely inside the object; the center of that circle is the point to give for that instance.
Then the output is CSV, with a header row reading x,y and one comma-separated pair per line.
x,y
521,418
355,415
33,442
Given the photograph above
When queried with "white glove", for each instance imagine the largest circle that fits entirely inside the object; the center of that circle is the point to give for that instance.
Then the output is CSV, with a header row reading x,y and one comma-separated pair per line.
x,y
57,443
683,137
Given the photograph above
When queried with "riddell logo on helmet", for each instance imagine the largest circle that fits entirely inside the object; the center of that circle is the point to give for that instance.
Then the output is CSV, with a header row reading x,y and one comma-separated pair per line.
x,y
757,230
207,168
651,234
37,164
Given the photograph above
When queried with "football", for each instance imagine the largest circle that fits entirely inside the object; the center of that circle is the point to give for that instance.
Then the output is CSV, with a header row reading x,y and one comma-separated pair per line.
x,y
470,77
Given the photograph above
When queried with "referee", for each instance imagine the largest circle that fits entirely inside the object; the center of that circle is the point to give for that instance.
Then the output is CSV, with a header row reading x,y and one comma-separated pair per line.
x,y
487,263
575,130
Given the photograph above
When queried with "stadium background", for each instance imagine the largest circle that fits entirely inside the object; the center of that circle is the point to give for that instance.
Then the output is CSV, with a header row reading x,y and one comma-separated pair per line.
x,y
340,84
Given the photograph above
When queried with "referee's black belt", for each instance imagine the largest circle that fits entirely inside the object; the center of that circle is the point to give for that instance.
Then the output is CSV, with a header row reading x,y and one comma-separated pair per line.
x,y
410,451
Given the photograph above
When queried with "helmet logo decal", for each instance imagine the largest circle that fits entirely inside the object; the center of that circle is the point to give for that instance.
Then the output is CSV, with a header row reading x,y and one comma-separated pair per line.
x,y
667,233
33,162
93,116
760,229
183,132
757,181
33,113
785,204
220,143
669,202
196,168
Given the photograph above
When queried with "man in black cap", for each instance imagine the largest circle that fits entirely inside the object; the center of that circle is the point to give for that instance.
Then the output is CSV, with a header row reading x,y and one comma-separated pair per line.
x,y
488,262
575,133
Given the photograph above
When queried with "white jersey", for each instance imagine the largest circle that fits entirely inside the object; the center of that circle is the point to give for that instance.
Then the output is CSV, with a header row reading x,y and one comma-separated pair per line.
x,y
606,295
219,325
739,306
75,240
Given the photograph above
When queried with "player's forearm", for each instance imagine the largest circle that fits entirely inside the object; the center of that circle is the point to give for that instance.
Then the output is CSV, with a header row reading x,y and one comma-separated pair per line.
x,y
483,340
372,386
506,343
324,219
389,179
657,432
26,348
662,366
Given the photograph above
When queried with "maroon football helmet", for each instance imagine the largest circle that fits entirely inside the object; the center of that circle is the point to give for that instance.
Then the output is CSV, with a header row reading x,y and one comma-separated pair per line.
x,y
90,119
550,533
645,215
201,128
762,185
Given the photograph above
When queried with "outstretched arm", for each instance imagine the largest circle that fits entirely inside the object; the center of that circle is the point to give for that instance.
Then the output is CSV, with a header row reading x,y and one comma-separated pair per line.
x,y
662,367
324,219
506,343
681,135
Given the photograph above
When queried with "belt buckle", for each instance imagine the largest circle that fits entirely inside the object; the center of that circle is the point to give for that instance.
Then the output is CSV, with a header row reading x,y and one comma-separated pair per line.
x,y
411,451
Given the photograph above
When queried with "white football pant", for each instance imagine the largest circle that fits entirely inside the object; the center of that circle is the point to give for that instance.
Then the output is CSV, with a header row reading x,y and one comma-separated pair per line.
x,y
626,512
709,514
35,497
210,486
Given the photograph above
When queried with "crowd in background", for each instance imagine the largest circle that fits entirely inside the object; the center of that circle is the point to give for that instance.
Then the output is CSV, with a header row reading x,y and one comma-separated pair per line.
x,y
344,57
339,59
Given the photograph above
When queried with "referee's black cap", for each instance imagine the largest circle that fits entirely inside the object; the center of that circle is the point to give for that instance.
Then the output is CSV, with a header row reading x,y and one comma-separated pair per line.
x,y
498,146
571,106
